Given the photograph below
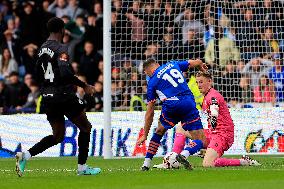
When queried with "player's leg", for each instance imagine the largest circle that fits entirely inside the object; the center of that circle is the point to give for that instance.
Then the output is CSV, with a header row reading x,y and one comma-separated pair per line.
x,y
58,128
82,122
153,146
195,129
180,138
216,148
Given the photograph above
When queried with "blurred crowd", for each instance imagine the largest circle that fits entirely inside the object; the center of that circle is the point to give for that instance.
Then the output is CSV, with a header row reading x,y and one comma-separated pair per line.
x,y
249,68
23,30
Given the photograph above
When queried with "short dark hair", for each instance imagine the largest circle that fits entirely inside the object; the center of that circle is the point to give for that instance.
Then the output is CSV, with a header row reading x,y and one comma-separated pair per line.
x,y
148,62
55,25
205,74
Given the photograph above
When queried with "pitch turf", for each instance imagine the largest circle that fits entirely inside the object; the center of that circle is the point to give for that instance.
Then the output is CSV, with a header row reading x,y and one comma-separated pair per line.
x,y
52,173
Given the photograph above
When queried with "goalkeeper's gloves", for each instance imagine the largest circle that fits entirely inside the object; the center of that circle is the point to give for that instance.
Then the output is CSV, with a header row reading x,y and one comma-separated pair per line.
x,y
213,122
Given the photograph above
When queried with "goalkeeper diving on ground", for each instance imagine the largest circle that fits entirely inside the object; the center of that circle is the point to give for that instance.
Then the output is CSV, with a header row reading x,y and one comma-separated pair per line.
x,y
219,136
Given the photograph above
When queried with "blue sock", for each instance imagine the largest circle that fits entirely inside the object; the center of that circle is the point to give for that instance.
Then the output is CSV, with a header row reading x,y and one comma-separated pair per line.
x,y
153,145
193,147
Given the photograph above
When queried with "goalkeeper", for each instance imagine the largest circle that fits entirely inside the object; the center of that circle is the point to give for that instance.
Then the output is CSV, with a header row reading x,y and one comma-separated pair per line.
x,y
220,134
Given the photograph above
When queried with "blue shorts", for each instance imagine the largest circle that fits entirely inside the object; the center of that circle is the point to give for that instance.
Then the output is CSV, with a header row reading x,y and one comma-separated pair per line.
x,y
182,110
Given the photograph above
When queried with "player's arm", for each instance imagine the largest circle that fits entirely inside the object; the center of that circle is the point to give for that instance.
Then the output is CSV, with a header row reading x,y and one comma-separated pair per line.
x,y
185,65
197,64
67,74
148,121
214,109
151,98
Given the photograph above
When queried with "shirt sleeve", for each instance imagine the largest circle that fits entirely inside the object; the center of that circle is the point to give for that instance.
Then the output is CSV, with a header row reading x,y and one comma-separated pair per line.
x,y
183,65
66,71
151,94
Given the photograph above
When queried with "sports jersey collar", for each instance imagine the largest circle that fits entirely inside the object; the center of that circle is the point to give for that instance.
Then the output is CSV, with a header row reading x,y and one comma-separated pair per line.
x,y
208,92
154,72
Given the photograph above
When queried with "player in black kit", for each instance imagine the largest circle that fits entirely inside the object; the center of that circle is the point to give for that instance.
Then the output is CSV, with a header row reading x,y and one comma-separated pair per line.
x,y
57,80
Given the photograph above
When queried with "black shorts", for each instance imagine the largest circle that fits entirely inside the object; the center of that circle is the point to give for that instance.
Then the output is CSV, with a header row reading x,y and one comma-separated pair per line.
x,y
56,107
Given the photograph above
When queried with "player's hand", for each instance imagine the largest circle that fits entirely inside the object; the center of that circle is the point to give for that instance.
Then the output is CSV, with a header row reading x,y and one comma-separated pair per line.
x,y
141,140
213,122
89,89
203,67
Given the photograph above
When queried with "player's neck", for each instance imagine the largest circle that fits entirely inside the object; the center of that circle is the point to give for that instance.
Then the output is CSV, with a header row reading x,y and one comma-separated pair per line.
x,y
54,37
207,91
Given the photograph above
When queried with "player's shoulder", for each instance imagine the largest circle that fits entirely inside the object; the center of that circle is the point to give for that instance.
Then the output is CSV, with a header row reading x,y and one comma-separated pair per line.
x,y
213,93
56,46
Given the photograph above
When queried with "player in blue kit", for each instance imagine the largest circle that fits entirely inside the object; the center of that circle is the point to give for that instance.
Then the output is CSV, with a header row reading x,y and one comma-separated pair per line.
x,y
168,83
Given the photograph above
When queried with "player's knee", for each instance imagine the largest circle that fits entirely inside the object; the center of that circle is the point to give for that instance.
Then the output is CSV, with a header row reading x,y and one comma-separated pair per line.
x,y
58,138
208,164
160,131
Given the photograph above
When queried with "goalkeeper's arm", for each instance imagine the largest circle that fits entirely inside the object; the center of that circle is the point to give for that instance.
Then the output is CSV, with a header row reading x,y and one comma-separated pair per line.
x,y
214,109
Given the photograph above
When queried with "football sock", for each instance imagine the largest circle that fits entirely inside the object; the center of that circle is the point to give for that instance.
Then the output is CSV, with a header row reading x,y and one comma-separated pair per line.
x,y
42,145
82,167
153,145
179,143
147,162
223,162
83,143
193,147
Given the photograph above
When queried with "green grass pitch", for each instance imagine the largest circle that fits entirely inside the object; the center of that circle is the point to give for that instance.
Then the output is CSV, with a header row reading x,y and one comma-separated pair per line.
x,y
53,173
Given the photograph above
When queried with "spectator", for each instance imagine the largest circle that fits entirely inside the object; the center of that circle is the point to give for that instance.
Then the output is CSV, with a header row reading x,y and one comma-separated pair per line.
x,y
231,89
59,8
168,50
17,92
120,34
116,95
101,78
276,75
227,52
192,48
98,10
76,68
187,21
248,36
138,34
12,28
12,44
151,51
98,96
29,24
75,31
30,105
255,68
7,64
115,74
28,80
73,10
247,94
44,15
29,58
269,44
94,33
101,66
89,63
3,95
126,68
263,92
137,101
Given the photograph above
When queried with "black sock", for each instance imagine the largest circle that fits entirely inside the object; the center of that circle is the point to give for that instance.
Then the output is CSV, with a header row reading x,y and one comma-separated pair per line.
x,y
42,145
83,143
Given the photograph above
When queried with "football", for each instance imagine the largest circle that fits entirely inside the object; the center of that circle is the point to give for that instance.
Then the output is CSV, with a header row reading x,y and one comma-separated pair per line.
x,y
170,161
